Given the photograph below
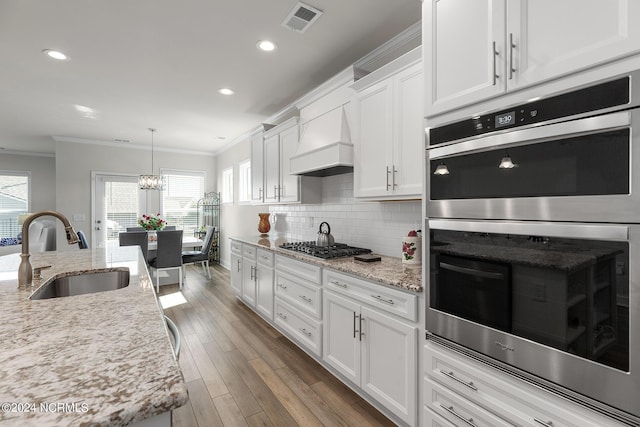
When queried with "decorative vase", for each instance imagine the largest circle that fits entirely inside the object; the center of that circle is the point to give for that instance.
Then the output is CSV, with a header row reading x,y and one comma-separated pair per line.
x,y
263,225
412,251
152,235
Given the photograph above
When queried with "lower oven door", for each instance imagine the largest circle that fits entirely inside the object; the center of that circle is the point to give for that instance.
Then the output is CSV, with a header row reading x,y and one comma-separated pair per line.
x,y
555,302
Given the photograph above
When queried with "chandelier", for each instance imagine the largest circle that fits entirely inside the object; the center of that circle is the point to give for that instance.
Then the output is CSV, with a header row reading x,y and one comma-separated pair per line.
x,y
150,182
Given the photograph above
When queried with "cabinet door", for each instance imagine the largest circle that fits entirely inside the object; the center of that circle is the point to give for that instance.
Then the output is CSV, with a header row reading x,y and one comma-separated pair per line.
x,y
389,365
264,291
257,168
373,148
553,38
409,133
249,282
236,273
271,168
289,190
341,338
461,65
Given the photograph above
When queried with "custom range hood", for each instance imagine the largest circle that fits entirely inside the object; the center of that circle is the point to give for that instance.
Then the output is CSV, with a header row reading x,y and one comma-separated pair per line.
x,y
325,146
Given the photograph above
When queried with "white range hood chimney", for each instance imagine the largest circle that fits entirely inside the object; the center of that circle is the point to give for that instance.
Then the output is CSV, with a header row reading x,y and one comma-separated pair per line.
x,y
325,146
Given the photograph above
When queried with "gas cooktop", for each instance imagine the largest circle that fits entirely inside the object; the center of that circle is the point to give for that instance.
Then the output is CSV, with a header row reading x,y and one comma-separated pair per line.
x,y
337,250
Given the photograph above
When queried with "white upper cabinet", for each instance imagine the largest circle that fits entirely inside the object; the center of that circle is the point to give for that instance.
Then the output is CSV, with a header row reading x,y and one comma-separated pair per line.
x,y
478,49
388,131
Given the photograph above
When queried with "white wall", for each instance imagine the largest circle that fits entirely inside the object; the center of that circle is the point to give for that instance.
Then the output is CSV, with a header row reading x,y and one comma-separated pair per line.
x,y
378,226
75,162
235,219
43,177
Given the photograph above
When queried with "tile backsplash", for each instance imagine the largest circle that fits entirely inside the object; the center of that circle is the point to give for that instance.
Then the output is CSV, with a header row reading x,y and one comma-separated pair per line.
x,y
378,226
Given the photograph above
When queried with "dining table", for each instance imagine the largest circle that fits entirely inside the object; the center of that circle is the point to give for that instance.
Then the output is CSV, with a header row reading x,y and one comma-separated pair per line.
x,y
187,243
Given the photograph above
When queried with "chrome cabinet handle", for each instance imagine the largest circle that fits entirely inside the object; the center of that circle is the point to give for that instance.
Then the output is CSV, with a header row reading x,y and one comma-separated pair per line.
x,y
453,412
453,377
547,423
304,331
260,193
335,282
280,285
304,298
360,326
354,324
393,177
388,172
511,47
280,188
282,316
495,53
379,298
238,266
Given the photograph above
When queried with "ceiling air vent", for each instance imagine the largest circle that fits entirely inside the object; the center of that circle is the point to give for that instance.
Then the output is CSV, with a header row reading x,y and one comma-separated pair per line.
x,y
301,17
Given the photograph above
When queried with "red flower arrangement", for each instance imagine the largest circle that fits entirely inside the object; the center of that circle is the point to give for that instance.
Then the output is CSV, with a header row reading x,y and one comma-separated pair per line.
x,y
152,222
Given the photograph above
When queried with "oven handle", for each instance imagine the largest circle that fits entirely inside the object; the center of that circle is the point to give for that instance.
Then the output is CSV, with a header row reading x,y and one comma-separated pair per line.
x,y
472,271
534,135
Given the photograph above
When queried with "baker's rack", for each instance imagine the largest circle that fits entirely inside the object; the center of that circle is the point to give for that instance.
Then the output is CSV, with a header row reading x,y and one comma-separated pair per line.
x,y
209,214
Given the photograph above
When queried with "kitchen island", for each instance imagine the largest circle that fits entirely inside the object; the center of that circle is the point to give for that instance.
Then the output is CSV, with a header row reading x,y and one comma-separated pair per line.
x,y
97,359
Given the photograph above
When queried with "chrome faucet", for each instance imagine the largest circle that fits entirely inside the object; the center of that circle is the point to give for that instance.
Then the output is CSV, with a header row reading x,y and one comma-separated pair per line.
x,y
25,274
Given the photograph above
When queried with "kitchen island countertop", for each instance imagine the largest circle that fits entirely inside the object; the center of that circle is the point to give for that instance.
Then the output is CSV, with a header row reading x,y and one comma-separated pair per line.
x,y
389,271
97,359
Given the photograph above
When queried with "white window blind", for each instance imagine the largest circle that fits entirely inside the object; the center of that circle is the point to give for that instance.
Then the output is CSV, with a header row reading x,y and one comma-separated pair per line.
x,y
14,200
244,181
227,186
180,196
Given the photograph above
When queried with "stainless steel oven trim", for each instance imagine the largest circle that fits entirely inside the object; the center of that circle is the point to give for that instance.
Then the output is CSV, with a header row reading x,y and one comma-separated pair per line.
x,y
535,135
565,372
613,232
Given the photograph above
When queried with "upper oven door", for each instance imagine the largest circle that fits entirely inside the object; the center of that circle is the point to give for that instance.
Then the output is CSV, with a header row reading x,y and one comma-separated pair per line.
x,y
578,170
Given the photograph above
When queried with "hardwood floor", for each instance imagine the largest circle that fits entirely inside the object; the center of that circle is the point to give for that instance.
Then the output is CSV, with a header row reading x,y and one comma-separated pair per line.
x,y
242,372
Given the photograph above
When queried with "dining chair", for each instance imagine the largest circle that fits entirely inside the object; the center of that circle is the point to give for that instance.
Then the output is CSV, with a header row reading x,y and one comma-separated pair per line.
x,y
135,229
135,238
82,240
168,255
202,256
169,228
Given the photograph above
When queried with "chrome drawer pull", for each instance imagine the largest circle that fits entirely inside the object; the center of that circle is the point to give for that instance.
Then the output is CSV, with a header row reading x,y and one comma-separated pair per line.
x,y
379,298
548,423
452,411
453,377
280,285
335,282
282,316
304,331
304,298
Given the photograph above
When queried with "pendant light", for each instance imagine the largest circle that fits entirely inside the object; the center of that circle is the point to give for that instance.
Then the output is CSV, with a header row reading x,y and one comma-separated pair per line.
x,y
150,182
506,162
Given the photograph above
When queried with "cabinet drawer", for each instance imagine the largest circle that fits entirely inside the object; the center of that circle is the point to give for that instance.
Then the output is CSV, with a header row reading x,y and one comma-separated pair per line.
x,y
397,302
304,270
249,251
236,247
304,330
301,294
457,410
265,257
516,401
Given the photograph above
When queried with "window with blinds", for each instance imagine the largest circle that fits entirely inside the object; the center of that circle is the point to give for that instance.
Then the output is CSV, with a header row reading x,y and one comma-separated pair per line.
x,y
182,190
14,200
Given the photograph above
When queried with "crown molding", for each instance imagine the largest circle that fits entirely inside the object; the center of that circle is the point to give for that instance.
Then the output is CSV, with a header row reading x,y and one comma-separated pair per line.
x,y
112,144
27,153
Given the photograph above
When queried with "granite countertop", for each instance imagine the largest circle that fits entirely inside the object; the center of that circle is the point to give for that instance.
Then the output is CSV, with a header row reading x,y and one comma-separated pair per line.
x,y
97,359
388,271
551,256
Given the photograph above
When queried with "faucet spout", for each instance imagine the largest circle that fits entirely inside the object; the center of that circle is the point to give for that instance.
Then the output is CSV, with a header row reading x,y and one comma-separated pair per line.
x,y
25,273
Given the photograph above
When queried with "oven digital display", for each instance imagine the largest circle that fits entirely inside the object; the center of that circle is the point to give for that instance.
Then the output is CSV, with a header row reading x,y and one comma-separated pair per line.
x,y
505,119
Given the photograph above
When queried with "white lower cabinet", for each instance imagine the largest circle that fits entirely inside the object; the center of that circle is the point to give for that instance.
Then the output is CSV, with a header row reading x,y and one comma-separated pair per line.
x,y
374,350
264,283
466,392
236,273
307,332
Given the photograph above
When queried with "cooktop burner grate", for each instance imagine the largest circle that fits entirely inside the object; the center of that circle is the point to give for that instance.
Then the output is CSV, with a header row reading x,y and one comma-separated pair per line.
x,y
337,250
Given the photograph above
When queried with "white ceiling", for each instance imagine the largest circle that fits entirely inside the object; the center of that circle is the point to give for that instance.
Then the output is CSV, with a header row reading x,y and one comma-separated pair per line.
x,y
160,63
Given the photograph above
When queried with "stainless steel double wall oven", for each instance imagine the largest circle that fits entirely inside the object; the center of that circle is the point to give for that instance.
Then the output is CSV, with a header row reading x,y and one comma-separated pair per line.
x,y
534,254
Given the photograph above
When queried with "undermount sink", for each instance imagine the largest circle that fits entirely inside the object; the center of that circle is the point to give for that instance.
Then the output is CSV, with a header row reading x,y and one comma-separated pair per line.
x,y
65,285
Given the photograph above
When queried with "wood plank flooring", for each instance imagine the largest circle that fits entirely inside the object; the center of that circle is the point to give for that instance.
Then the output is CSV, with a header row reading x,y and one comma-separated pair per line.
x,y
242,372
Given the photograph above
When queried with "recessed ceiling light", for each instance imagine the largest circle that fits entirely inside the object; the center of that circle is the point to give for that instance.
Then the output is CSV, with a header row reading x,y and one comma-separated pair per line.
x,y
87,112
55,54
226,91
266,45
